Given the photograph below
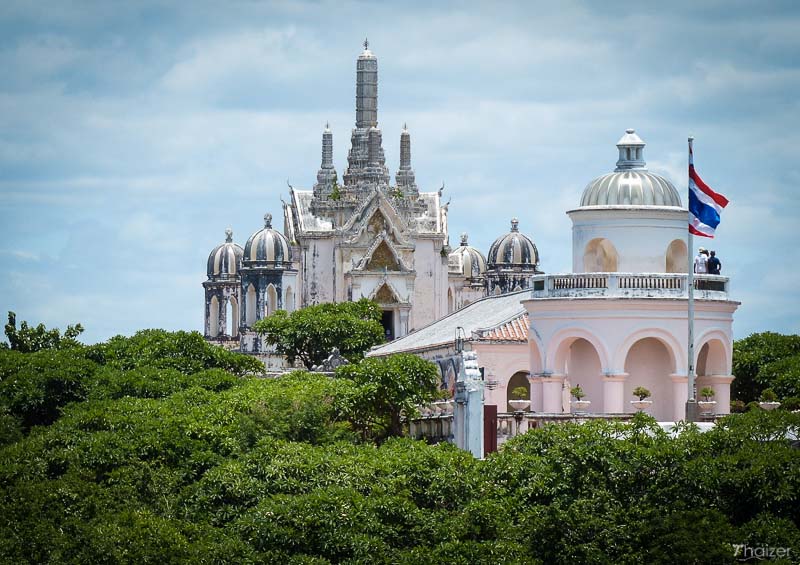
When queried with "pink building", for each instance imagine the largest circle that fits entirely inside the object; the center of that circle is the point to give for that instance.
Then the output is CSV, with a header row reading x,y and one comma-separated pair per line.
x,y
617,322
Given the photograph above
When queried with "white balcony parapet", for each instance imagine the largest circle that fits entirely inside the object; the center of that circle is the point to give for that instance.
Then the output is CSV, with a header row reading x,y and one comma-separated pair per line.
x,y
628,285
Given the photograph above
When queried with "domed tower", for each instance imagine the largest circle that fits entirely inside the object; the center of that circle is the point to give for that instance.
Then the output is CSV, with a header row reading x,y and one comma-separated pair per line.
x,y
466,269
268,280
513,259
223,291
630,220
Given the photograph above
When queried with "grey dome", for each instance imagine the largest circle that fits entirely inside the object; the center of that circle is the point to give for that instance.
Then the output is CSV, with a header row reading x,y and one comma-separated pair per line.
x,y
225,260
631,184
268,246
466,261
513,250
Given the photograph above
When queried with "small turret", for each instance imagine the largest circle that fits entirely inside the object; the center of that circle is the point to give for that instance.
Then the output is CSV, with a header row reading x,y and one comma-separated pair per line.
x,y
405,174
326,176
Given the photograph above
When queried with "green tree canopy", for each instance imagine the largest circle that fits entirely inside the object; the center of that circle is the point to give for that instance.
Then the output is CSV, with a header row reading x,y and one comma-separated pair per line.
x,y
386,388
27,339
782,376
309,334
186,352
756,352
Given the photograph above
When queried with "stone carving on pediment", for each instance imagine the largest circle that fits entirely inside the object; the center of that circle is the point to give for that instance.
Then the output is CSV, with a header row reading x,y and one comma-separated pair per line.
x,y
385,293
364,219
381,255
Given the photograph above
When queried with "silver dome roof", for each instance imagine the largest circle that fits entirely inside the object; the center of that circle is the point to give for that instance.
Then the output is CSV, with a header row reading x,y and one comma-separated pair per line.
x,y
513,249
466,261
631,184
225,259
267,247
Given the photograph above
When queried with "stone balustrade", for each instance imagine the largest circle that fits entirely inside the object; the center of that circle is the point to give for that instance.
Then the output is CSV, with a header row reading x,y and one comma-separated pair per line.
x,y
628,285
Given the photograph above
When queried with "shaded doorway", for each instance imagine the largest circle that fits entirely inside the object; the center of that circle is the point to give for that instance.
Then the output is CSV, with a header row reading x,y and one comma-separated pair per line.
x,y
387,321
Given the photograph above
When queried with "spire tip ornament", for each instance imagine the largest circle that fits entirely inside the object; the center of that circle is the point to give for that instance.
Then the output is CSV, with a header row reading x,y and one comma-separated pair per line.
x,y
228,235
514,224
268,220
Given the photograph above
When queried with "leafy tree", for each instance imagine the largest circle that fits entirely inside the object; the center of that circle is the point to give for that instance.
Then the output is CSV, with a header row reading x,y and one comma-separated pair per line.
x,y
186,352
28,339
36,386
309,334
754,352
386,388
782,376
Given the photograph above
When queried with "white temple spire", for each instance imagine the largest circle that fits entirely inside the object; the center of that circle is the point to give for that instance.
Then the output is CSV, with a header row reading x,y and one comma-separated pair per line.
x,y
326,176
366,164
405,174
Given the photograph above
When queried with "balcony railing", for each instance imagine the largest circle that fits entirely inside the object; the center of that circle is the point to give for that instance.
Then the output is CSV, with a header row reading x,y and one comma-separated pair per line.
x,y
629,285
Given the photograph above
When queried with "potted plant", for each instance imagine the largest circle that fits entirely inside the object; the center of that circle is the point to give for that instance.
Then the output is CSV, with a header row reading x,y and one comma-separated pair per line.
x,y
769,400
642,394
579,403
706,405
520,399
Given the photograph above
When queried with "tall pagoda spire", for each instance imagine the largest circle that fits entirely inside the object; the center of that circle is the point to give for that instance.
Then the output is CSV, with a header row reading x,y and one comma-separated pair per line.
x,y
366,89
405,174
366,164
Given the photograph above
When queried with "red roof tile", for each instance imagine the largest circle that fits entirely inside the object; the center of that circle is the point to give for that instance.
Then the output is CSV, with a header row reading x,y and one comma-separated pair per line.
x,y
513,330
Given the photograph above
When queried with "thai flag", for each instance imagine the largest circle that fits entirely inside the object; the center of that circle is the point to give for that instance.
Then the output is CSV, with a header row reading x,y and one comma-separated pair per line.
x,y
705,205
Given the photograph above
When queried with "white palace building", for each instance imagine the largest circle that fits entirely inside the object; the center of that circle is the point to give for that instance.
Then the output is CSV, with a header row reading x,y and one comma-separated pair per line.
x,y
617,322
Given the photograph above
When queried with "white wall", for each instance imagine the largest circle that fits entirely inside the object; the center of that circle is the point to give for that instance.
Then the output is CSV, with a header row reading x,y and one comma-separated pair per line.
x,y
641,236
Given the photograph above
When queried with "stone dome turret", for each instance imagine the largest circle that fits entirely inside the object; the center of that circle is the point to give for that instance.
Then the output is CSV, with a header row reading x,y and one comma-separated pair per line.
x,y
466,261
631,184
225,259
268,247
513,250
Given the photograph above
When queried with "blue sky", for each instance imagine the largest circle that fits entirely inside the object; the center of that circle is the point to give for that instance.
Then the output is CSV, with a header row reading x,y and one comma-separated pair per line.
x,y
132,134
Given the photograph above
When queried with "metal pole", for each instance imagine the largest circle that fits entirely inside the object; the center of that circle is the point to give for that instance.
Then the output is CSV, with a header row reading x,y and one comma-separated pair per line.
x,y
691,403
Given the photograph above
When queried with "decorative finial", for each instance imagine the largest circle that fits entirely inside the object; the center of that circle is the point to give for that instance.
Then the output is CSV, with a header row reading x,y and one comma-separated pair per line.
x,y
630,130
514,224
366,44
228,235
405,127
327,125
464,238
268,220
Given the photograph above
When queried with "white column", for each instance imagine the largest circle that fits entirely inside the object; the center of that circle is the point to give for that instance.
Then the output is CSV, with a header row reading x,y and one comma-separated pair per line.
x,y
722,391
403,326
680,393
614,393
551,393
537,401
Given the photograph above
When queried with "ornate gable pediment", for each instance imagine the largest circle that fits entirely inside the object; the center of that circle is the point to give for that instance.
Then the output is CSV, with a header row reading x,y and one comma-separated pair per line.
x,y
364,217
386,294
382,255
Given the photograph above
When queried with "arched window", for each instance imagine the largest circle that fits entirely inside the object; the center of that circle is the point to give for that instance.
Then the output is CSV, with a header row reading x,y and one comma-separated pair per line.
x,y
600,256
677,259
213,317
519,379
272,300
288,302
250,305
232,325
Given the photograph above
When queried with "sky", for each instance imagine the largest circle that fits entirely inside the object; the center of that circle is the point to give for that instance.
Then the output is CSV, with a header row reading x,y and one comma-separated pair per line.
x,y
133,133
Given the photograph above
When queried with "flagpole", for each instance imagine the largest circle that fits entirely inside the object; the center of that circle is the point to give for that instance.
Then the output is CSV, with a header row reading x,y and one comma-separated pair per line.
x,y
691,403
